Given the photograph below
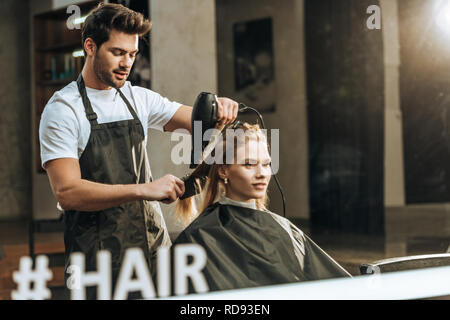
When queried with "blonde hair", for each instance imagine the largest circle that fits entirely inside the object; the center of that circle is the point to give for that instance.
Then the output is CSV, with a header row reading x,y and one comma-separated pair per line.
x,y
213,188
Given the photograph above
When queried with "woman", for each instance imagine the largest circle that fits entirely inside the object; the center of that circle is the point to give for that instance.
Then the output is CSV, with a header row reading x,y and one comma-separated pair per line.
x,y
246,244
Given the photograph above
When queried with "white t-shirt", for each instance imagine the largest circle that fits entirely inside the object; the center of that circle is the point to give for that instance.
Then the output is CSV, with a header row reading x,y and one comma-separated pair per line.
x,y
64,129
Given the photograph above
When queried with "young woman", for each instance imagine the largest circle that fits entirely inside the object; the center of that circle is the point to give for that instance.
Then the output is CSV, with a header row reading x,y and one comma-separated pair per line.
x,y
246,244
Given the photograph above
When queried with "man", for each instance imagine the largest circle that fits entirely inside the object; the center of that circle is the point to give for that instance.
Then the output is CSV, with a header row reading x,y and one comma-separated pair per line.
x,y
93,145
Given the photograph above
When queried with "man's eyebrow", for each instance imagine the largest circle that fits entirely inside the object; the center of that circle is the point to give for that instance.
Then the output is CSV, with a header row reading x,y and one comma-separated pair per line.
x,y
122,50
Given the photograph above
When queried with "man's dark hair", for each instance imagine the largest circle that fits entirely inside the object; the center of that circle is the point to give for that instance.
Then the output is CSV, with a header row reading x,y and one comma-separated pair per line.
x,y
108,16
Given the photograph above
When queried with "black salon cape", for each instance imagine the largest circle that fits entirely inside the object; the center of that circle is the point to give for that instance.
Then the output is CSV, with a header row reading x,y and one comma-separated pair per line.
x,y
248,248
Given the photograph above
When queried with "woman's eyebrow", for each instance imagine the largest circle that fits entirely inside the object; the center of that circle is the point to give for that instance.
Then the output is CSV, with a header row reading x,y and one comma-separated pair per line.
x,y
250,160
256,160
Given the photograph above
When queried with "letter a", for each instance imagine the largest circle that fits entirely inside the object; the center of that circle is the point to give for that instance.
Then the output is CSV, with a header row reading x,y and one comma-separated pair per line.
x,y
181,152
76,15
374,21
134,261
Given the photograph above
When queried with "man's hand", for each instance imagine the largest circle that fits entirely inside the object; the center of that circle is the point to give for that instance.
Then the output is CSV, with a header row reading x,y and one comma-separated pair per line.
x,y
74,193
166,189
227,112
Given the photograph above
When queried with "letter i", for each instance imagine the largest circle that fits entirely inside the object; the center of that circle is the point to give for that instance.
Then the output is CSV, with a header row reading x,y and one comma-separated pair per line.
x,y
163,271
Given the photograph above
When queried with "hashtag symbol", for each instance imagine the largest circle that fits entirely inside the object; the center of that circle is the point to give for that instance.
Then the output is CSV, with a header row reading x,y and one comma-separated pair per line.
x,y
27,276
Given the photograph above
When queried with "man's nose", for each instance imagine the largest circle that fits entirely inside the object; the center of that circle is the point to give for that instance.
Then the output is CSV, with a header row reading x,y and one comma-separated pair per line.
x,y
126,61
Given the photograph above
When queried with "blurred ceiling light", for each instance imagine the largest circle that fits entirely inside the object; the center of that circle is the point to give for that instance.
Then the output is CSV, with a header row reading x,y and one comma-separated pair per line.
x,y
443,18
78,53
79,20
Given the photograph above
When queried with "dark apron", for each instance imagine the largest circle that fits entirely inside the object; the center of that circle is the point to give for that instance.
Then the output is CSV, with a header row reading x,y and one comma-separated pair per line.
x,y
114,154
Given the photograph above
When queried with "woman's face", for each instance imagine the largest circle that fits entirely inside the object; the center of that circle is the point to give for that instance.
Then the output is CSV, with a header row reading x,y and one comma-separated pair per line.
x,y
249,176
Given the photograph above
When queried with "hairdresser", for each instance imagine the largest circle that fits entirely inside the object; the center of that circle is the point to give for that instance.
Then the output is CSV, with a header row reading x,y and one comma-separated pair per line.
x,y
93,136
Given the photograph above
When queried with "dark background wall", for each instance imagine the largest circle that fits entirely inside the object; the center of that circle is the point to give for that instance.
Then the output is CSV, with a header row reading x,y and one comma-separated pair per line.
x,y
15,135
425,101
345,86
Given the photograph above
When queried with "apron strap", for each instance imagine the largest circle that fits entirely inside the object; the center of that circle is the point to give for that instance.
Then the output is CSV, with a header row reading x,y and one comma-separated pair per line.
x,y
90,114
130,108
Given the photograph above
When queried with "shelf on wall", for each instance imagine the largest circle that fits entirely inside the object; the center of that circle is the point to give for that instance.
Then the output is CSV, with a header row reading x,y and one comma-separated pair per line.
x,y
60,48
54,66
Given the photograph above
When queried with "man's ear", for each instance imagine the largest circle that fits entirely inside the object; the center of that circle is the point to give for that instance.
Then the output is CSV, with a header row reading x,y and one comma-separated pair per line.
x,y
90,47
223,172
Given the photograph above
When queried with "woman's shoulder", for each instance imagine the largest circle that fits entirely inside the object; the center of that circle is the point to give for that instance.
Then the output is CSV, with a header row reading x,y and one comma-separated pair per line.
x,y
215,215
204,217
208,219
286,223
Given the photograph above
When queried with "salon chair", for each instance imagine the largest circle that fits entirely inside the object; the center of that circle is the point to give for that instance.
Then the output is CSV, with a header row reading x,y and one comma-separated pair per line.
x,y
405,263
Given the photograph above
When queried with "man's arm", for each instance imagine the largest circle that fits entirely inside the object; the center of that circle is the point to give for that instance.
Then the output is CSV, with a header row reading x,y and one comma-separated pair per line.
x,y
74,193
180,120
226,113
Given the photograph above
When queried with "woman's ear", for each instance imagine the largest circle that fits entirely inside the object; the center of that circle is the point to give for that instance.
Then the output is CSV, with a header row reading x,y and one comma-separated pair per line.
x,y
223,172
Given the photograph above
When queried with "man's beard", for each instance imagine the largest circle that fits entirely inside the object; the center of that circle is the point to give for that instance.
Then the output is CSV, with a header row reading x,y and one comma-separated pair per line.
x,y
105,76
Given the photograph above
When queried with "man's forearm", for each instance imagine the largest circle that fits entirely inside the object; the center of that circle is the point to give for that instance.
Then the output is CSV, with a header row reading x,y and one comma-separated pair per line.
x,y
86,195
180,120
